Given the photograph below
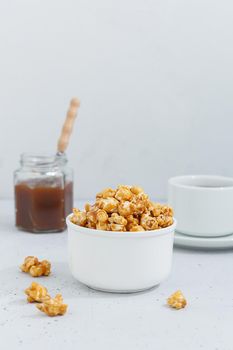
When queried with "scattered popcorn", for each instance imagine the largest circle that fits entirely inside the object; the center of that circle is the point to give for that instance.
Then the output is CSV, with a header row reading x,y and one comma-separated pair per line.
x,y
29,261
39,294
128,208
36,293
177,300
53,307
35,267
42,269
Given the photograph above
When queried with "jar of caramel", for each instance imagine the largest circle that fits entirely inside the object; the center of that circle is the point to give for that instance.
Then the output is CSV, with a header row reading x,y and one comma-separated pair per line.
x,y
43,193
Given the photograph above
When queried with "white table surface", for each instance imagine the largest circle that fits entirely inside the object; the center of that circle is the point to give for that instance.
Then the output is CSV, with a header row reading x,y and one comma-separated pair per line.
x,y
97,320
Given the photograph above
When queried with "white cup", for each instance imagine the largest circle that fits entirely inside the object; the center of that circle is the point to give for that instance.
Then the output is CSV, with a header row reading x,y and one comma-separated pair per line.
x,y
203,204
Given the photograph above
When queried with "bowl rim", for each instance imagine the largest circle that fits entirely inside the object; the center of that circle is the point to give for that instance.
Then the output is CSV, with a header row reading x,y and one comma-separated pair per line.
x,y
117,234
174,181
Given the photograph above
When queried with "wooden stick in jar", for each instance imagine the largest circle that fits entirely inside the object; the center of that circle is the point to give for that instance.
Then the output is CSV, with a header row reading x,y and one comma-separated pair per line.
x,y
67,128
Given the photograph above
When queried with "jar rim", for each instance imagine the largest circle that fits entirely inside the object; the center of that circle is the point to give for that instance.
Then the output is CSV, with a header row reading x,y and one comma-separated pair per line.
x,y
43,160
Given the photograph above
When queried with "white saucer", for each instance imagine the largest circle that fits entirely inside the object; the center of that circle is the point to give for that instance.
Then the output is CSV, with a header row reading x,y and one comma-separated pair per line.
x,y
182,240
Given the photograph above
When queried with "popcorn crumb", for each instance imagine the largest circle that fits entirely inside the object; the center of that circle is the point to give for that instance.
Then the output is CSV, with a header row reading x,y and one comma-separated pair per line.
x,y
35,267
53,306
177,300
29,261
36,293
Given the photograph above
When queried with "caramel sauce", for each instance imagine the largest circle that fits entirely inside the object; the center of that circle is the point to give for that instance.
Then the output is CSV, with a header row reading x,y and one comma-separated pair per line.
x,y
42,208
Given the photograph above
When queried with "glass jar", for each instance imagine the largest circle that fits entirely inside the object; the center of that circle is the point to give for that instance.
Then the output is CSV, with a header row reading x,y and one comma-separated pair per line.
x,y
43,193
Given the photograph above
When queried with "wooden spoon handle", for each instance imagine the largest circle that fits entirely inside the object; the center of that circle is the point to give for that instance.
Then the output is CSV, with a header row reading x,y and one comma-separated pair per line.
x,y
68,125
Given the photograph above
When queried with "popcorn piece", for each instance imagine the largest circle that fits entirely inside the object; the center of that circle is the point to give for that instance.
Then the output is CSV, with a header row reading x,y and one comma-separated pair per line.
x,y
177,300
42,269
136,228
35,267
102,226
79,217
140,203
163,213
91,225
53,307
136,190
123,193
92,215
148,222
167,210
155,209
106,193
117,227
102,216
29,261
47,267
87,207
117,219
131,222
164,221
36,293
110,205
126,208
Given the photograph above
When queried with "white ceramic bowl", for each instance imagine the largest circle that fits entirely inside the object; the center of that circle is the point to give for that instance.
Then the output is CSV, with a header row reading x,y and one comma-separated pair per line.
x,y
203,204
120,261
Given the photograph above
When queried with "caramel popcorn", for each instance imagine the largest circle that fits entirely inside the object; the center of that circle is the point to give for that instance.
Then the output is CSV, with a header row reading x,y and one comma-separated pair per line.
x,y
79,217
136,228
148,222
102,226
155,209
164,221
132,222
42,269
92,215
101,216
29,261
106,193
87,207
140,203
167,211
53,307
117,219
36,293
117,227
123,193
136,190
108,204
177,300
128,208
35,267
93,225
39,294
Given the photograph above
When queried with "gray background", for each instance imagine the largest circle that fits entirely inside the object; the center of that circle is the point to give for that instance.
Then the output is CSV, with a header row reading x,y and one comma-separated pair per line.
x,y
154,79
